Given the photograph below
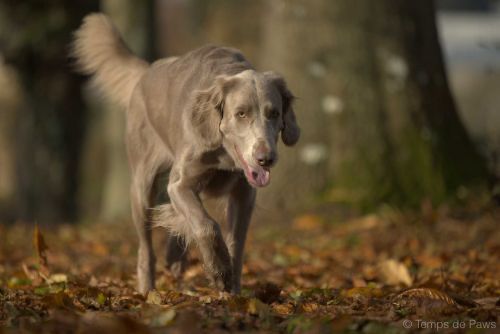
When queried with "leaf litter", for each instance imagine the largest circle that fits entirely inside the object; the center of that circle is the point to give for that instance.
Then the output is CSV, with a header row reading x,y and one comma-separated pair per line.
x,y
367,274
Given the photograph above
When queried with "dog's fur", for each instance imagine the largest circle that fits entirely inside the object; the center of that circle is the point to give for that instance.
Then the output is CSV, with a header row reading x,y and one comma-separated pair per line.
x,y
211,120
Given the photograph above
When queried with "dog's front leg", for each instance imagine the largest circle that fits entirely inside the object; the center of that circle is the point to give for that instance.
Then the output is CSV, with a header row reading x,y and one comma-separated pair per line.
x,y
239,213
204,230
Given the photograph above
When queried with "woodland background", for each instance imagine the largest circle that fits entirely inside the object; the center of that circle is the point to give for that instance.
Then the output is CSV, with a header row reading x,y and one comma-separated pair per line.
x,y
382,121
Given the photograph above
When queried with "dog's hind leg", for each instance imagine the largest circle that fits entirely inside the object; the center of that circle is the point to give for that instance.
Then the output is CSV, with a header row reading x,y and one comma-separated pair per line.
x,y
140,202
147,156
176,259
176,246
165,216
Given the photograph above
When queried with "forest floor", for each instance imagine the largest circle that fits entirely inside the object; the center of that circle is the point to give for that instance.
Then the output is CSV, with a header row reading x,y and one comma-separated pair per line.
x,y
389,272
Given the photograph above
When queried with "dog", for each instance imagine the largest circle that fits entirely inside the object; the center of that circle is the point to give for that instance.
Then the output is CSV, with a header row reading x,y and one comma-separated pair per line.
x,y
211,120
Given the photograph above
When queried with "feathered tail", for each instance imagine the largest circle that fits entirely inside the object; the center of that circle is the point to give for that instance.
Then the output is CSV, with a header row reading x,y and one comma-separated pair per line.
x,y
101,52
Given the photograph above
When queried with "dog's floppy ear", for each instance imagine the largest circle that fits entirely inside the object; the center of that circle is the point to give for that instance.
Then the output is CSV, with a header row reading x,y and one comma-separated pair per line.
x,y
291,132
207,112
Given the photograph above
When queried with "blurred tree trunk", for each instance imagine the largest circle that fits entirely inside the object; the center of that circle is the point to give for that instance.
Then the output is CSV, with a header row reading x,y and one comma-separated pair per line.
x,y
178,26
10,103
379,122
223,24
188,24
108,187
50,122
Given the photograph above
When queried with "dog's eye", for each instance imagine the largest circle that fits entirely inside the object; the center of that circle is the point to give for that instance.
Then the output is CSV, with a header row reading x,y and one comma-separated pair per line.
x,y
273,113
241,114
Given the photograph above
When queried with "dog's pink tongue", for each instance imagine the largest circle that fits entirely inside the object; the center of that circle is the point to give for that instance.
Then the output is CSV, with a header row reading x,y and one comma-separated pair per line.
x,y
261,177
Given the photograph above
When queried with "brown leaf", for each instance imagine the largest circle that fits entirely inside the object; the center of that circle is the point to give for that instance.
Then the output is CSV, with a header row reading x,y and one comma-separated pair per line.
x,y
174,297
310,307
237,303
59,300
57,278
362,224
154,297
283,309
427,301
427,293
307,222
393,272
429,261
488,302
32,273
256,307
40,247
362,292
268,292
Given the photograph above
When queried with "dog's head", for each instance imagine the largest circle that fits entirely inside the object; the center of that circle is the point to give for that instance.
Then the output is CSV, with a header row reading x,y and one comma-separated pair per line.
x,y
246,113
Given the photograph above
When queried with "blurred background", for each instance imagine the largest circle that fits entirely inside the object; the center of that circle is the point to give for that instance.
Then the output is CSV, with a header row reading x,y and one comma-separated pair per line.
x,y
397,100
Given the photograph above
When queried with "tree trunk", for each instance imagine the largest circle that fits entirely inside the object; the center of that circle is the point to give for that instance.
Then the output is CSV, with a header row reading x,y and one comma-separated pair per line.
x,y
10,103
51,122
379,122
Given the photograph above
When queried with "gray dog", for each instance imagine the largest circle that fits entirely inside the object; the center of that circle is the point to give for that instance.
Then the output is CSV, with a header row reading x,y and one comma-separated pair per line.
x,y
210,119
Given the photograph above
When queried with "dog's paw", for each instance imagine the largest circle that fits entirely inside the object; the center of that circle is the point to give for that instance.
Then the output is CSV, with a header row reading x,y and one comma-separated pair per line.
x,y
222,280
145,284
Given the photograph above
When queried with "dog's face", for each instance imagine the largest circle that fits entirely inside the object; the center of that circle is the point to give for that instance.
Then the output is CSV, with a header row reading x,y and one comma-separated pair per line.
x,y
252,109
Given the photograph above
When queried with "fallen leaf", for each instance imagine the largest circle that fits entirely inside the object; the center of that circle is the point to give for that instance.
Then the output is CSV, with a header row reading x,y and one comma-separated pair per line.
x,y
154,297
268,292
488,302
32,273
296,295
100,249
59,300
310,307
205,299
363,223
42,290
101,299
15,282
237,303
57,278
427,293
366,291
307,222
283,309
40,247
256,307
426,301
393,272
429,261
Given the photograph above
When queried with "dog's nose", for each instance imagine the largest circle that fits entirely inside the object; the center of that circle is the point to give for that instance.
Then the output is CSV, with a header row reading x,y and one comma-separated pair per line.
x,y
263,154
264,158
265,161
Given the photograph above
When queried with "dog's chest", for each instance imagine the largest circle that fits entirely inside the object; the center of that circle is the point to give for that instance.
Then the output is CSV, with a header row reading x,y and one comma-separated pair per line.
x,y
218,182
218,159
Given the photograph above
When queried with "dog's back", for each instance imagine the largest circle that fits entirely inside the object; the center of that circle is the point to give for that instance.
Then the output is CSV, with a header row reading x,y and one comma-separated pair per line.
x,y
100,51
171,82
